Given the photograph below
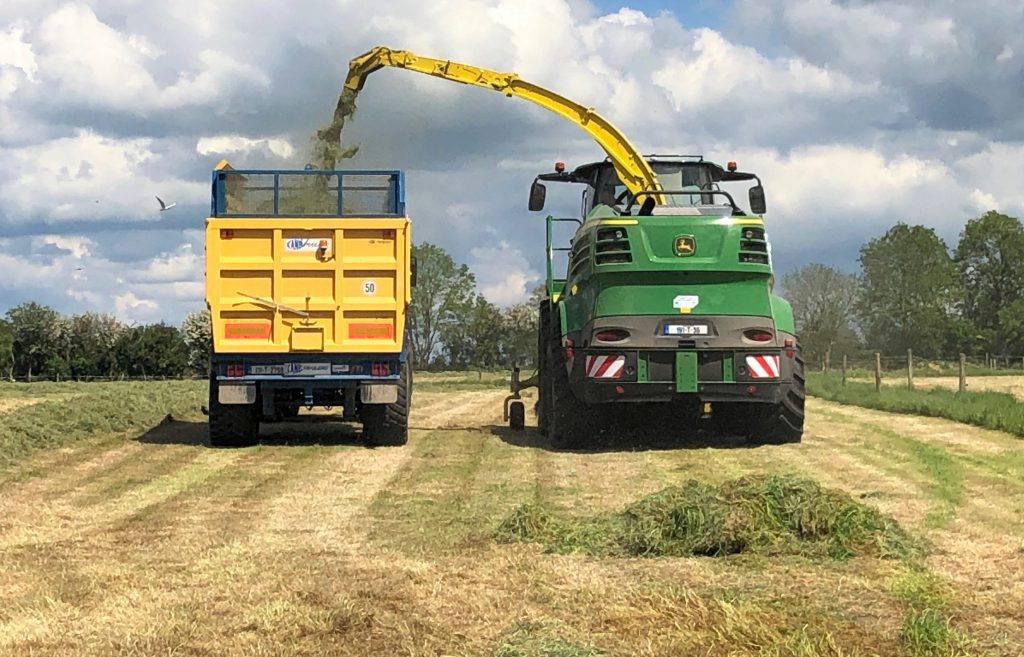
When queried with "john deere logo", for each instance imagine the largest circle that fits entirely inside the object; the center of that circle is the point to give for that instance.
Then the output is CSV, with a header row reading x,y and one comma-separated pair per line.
x,y
685,245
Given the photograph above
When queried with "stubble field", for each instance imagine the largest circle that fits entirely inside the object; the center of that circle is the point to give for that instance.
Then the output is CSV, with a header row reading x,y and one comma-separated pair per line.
x,y
136,538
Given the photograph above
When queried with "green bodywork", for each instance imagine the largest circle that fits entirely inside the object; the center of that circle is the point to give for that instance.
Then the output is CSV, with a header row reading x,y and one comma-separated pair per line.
x,y
655,275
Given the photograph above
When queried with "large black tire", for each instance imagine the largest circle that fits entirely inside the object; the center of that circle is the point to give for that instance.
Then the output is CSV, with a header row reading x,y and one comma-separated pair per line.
x,y
542,406
783,424
387,425
569,422
232,425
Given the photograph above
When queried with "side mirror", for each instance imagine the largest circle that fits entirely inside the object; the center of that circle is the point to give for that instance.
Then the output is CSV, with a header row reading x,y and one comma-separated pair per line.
x,y
414,265
538,193
757,204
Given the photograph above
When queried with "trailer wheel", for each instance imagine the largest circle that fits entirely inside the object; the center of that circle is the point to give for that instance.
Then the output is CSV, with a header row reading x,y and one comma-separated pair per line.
x,y
517,416
784,423
232,425
568,419
387,425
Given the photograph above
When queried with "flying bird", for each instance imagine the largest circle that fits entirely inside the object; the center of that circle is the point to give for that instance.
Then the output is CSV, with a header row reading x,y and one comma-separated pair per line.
x,y
164,207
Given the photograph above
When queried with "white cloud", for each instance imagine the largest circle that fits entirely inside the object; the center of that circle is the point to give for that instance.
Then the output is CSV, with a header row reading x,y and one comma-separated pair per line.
x,y
856,114
503,274
129,306
716,71
88,177
78,247
17,61
237,144
182,265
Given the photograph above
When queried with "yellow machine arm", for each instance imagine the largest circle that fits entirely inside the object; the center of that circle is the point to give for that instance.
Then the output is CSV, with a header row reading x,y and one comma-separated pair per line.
x,y
633,170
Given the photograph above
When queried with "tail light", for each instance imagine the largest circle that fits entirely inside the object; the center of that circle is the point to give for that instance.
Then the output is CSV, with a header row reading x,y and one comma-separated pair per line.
x,y
759,335
381,369
611,335
236,370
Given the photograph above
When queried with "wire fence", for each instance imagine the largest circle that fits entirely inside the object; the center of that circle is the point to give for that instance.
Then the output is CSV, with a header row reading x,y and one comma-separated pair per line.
x,y
95,379
879,366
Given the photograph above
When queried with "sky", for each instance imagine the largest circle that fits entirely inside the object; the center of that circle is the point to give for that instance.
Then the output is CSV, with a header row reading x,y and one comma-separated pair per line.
x,y
856,115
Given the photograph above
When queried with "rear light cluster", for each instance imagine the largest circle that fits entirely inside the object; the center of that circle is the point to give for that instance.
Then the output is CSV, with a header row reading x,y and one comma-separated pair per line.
x,y
236,371
381,368
611,335
612,247
758,335
753,246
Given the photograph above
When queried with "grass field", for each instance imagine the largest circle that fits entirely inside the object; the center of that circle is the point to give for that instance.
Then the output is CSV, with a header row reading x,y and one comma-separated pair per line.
x,y
991,403
130,536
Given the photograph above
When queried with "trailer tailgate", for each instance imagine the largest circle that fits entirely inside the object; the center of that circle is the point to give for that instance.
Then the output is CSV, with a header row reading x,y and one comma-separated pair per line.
x,y
332,285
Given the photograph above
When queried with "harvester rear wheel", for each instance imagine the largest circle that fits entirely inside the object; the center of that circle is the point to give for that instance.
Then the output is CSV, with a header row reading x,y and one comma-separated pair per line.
x,y
568,419
387,425
232,425
542,406
784,423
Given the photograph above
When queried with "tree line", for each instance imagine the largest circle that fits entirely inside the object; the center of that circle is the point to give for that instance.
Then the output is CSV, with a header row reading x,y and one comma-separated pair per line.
x,y
451,326
912,292
915,292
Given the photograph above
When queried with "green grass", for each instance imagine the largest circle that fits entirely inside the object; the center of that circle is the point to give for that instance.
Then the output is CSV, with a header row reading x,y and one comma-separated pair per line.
x,y
68,412
536,640
990,410
771,514
927,629
445,381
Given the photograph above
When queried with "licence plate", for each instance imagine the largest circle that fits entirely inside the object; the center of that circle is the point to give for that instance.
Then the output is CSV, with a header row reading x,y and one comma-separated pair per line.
x,y
686,329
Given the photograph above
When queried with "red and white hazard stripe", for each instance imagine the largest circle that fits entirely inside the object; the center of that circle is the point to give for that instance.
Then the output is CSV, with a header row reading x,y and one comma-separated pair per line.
x,y
605,367
763,367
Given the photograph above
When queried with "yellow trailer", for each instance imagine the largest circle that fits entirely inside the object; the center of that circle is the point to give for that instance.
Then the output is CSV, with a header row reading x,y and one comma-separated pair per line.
x,y
308,277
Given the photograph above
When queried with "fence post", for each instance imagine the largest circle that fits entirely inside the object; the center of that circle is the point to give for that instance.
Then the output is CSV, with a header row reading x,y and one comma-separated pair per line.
x,y
844,369
988,362
963,373
910,369
828,360
878,372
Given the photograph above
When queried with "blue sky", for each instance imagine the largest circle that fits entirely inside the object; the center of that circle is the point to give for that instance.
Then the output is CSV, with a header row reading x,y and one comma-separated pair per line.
x,y
855,114
692,13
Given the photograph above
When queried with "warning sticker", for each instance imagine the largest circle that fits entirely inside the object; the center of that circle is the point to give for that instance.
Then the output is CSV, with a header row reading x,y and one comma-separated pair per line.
x,y
684,303
371,331
247,331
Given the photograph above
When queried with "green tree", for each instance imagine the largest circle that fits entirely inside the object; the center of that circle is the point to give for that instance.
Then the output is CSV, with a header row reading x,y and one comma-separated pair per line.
x,y
823,300
151,350
36,331
909,291
989,256
198,335
519,323
87,343
444,296
7,348
476,339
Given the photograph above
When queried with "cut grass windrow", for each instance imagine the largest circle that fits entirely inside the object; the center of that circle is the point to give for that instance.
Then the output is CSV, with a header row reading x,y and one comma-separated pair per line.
x,y
773,514
91,409
990,410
